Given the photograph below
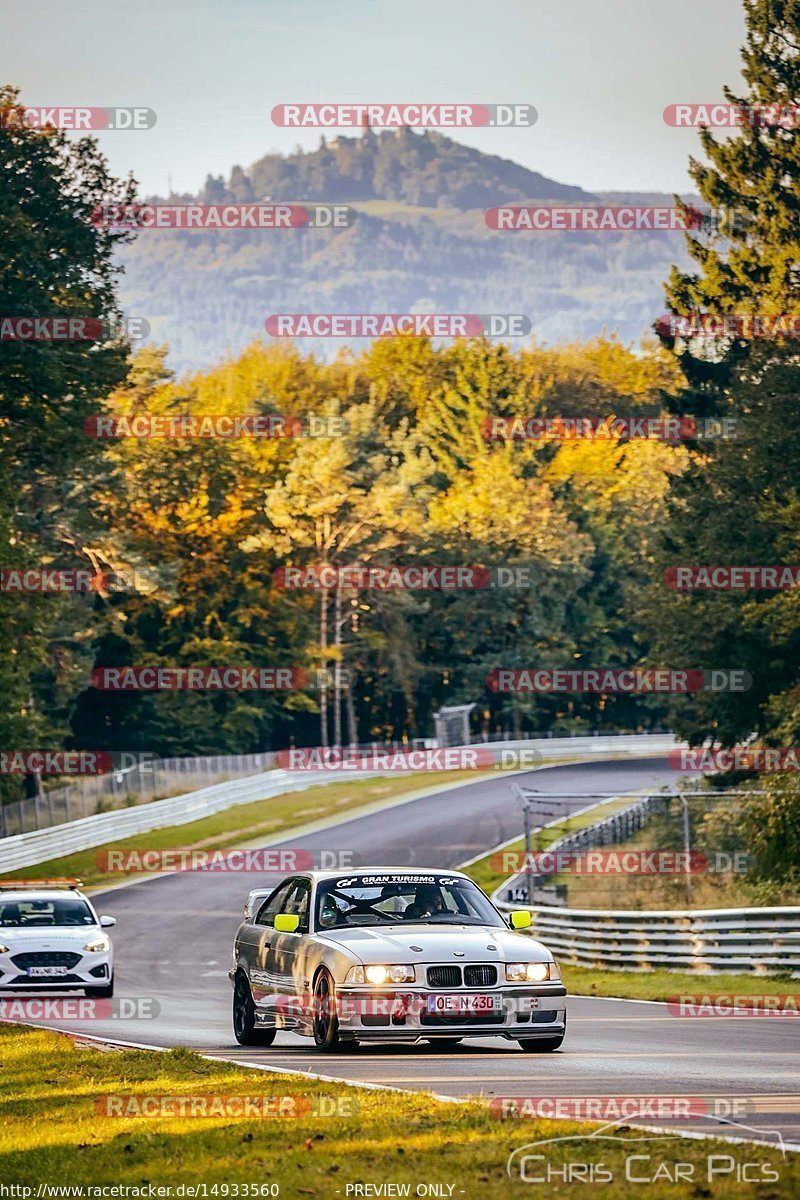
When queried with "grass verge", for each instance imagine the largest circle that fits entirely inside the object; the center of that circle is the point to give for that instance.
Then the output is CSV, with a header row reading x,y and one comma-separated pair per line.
x,y
51,1133
665,985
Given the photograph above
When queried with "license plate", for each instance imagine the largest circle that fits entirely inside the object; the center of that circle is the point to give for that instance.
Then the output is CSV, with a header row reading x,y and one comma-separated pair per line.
x,y
526,1003
39,972
463,1004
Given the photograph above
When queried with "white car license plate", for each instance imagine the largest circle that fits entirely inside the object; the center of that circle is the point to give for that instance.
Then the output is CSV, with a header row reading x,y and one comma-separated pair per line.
x,y
463,1004
47,972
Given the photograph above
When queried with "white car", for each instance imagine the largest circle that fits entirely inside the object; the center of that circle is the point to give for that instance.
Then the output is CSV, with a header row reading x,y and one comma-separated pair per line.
x,y
391,954
51,939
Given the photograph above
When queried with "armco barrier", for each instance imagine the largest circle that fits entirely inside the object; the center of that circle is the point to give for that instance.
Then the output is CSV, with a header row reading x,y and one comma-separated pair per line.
x,y
759,941
27,849
146,780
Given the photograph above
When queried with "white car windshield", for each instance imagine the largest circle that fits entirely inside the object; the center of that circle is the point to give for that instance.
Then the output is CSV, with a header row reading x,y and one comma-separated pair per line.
x,y
29,913
402,899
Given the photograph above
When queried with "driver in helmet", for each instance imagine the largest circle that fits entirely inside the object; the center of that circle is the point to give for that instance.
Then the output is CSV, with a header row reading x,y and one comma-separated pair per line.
x,y
428,902
329,912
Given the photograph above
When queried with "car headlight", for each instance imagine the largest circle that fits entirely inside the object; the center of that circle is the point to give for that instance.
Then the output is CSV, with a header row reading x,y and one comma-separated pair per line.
x,y
98,945
400,974
535,972
3,949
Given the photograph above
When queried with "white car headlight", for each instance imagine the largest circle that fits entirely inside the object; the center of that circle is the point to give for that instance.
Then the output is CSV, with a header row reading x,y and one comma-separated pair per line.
x,y
98,945
3,949
535,972
399,974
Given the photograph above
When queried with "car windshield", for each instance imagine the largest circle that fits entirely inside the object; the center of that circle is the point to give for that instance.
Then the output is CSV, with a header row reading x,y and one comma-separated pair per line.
x,y
402,899
25,914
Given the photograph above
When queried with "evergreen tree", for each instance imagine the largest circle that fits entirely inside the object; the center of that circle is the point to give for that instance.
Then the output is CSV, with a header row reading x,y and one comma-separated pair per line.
x,y
750,260
56,263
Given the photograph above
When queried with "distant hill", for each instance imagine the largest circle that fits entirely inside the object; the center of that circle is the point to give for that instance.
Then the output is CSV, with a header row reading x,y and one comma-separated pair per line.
x,y
424,169
419,239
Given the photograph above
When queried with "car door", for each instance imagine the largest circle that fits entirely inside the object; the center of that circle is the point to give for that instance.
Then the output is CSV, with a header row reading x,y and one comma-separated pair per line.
x,y
287,952
254,946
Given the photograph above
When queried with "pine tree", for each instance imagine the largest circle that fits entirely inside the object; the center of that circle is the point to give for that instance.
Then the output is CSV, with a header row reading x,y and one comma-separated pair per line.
x,y
750,261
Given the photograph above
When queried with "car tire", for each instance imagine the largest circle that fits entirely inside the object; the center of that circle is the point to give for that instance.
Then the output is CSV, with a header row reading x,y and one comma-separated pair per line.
x,y
101,993
245,1030
325,1022
541,1045
445,1043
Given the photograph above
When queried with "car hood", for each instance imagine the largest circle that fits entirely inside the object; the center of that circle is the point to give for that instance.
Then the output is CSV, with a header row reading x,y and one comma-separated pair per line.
x,y
45,937
429,943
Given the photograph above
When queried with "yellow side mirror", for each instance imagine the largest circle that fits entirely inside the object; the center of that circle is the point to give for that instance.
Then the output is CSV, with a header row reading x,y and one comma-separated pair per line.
x,y
520,918
286,922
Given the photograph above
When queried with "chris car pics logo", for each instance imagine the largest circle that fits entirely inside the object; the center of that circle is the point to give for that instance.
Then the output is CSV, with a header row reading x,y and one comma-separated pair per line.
x,y
616,1153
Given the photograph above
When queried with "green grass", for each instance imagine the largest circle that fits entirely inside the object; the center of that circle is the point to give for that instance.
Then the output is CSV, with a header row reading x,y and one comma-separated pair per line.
x,y
51,1133
489,878
663,985
246,823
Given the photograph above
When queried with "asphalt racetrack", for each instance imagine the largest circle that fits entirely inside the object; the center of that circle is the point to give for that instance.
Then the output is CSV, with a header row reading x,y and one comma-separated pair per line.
x,y
174,936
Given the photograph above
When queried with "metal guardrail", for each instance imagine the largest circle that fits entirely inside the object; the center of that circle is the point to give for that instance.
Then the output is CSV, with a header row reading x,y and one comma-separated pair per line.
x,y
26,849
143,782
36,846
758,941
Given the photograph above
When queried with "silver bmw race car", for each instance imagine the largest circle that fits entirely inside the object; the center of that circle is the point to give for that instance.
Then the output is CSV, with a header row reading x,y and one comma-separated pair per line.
x,y
391,954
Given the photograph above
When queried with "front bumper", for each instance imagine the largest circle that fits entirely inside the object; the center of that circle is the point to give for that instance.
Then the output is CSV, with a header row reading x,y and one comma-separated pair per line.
x,y
81,969
402,1014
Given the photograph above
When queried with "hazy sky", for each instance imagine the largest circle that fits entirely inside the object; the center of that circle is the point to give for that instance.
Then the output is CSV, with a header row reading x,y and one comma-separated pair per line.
x,y
600,73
